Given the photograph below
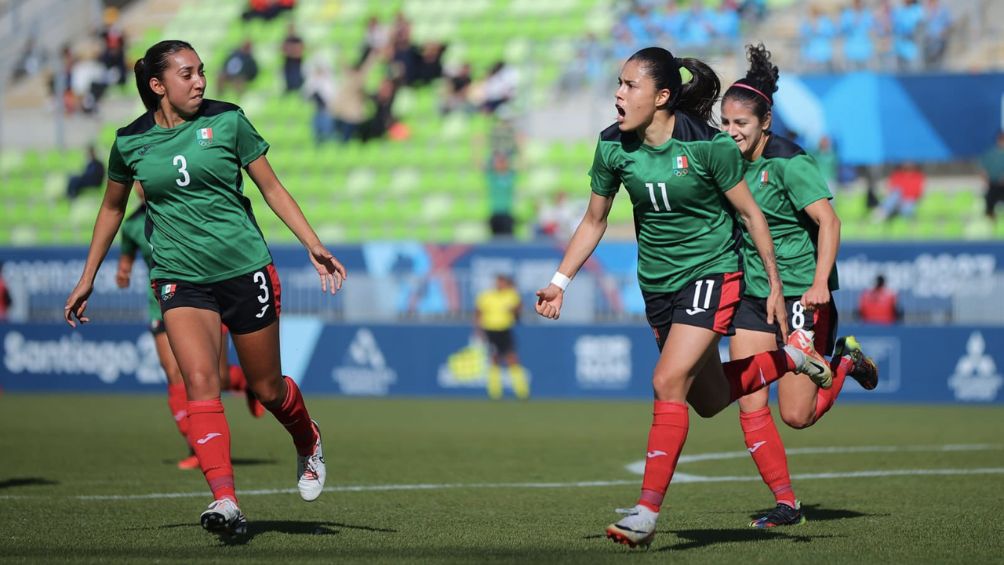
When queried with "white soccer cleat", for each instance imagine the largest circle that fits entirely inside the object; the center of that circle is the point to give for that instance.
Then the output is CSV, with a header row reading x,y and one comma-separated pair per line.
x,y
807,360
310,470
636,528
224,519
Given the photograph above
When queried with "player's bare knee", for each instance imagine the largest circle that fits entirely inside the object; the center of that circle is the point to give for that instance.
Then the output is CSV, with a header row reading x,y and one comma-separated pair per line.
x,y
797,419
666,387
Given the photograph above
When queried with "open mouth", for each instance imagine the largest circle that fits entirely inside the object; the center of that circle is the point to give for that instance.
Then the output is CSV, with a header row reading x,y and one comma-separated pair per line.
x,y
620,114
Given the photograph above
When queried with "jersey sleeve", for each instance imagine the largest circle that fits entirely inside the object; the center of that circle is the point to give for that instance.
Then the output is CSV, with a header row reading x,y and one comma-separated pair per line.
x,y
725,162
804,182
604,180
118,170
250,145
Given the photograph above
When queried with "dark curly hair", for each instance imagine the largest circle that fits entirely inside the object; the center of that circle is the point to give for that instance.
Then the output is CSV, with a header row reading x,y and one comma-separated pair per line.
x,y
757,88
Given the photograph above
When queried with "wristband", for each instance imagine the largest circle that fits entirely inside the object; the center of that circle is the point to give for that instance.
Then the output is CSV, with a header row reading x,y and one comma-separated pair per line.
x,y
561,281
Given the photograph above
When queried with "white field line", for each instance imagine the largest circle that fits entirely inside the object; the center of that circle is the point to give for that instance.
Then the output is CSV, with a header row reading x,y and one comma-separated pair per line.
x,y
679,478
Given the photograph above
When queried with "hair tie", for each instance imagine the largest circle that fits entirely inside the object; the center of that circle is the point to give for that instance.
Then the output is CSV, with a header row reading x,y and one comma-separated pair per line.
x,y
748,87
685,75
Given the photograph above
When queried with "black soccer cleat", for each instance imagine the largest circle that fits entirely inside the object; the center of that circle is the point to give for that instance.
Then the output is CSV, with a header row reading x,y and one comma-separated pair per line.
x,y
781,515
864,370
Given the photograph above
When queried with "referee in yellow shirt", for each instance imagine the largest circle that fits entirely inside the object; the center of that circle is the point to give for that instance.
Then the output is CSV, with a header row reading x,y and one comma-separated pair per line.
x,y
497,312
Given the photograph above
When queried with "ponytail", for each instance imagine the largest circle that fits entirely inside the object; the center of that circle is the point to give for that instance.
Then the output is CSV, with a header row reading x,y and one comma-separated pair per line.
x,y
757,88
153,65
696,96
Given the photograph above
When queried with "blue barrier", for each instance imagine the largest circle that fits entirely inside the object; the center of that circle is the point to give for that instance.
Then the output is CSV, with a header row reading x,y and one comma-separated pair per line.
x,y
918,364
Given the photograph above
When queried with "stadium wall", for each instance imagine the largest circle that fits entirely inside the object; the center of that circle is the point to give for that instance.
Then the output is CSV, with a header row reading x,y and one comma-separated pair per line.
x,y
918,364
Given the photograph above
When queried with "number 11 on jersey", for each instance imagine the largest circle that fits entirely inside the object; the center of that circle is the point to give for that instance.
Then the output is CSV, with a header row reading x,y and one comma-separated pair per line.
x,y
665,197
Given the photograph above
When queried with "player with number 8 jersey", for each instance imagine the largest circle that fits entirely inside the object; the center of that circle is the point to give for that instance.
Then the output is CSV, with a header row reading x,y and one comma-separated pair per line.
x,y
210,261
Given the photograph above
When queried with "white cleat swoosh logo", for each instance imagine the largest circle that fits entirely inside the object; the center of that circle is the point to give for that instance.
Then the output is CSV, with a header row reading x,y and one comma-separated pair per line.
x,y
757,446
656,453
209,436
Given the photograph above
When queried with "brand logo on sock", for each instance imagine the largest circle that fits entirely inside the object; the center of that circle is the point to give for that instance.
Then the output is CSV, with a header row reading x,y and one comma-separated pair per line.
x,y
180,415
757,446
209,436
656,453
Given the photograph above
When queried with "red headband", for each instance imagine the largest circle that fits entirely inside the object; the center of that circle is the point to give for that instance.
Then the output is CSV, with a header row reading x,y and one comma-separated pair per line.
x,y
748,87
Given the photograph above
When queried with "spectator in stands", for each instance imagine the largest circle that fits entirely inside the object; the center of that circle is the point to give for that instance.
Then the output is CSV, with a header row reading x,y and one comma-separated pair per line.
x,y
114,47
937,23
405,57
457,88
376,38
992,168
857,25
499,86
817,33
32,59
5,300
724,23
239,68
826,160
292,55
267,9
879,305
906,21
320,89
92,176
698,30
382,119
430,67
350,102
501,189
905,187
88,82
559,218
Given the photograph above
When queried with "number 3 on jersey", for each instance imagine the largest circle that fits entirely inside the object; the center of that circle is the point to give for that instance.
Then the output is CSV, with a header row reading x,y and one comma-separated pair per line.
x,y
665,197
179,161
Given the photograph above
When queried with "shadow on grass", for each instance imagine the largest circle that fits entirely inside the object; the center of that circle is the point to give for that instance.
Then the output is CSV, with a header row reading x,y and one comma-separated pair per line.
x,y
237,462
291,527
819,513
26,482
693,539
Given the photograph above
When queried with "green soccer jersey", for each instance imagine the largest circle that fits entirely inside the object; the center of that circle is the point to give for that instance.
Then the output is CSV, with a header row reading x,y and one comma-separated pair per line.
x,y
684,225
202,229
784,180
133,241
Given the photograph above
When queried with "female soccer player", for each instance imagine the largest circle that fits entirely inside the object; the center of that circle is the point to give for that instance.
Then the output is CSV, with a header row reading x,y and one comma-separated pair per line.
x,y
210,260
232,378
794,197
679,173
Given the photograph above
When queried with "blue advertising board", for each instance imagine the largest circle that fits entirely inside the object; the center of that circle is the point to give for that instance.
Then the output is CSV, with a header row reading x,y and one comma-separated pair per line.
x,y
959,364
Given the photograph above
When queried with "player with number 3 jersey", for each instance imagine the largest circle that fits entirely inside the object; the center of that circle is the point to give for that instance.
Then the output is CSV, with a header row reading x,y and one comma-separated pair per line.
x,y
210,261
790,189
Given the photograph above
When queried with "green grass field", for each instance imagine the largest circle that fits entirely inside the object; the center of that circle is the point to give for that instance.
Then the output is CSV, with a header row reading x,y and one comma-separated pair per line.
x,y
92,479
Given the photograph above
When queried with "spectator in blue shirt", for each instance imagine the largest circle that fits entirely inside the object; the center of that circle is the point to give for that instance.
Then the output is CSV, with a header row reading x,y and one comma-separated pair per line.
x,y
857,26
906,21
938,22
817,34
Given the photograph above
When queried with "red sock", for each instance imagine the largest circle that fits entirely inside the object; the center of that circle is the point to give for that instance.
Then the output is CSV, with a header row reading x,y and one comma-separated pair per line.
x,y
210,437
764,444
293,415
670,423
756,372
238,381
177,401
827,396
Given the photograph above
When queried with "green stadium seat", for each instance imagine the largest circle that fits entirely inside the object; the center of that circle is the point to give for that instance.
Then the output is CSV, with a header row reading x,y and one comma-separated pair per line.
x,y
850,206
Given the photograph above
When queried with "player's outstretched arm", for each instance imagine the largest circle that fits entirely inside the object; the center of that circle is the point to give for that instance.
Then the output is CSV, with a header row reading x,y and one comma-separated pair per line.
x,y
331,271
827,245
109,219
756,224
584,241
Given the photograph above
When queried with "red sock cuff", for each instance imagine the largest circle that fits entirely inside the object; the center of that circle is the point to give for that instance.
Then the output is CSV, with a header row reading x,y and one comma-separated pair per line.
x,y
176,389
756,420
669,408
205,406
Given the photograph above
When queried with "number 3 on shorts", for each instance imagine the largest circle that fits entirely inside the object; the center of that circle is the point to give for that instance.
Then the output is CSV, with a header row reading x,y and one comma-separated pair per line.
x,y
262,282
